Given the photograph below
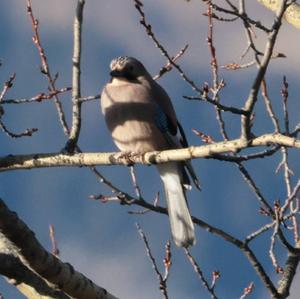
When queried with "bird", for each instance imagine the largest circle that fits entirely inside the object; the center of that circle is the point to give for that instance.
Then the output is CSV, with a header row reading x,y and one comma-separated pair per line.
x,y
141,118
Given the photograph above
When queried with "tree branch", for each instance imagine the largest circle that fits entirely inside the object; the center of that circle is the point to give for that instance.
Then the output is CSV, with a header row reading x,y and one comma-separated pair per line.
x,y
51,269
45,68
292,14
25,280
243,246
13,162
252,98
76,93
289,273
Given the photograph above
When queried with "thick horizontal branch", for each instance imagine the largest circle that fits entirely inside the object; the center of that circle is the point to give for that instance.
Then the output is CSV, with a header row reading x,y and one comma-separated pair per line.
x,y
14,162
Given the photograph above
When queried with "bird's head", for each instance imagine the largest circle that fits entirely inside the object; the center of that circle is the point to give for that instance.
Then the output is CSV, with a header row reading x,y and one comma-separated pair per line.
x,y
127,68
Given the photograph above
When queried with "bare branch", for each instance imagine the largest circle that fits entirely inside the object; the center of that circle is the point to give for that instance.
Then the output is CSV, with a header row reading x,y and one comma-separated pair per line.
x,y
252,97
13,162
292,14
287,178
148,28
218,232
217,85
162,280
237,66
289,273
273,239
90,98
27,132
261,272
136,187
61,275
7,85
243,16
76,88
248,290
168,67
38,98
45,69
200,274
285,95
26,281
269,106
218,105
249,180
55,250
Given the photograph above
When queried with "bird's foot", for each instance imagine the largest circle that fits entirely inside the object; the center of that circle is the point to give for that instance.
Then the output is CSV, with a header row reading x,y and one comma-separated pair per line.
x,y
128,156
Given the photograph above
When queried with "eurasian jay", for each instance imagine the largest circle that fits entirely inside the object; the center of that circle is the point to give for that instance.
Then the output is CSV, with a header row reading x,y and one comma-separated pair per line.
x,y
141,118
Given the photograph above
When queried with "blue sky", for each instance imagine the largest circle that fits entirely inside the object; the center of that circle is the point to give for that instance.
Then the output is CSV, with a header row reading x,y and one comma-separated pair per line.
x,y
101,240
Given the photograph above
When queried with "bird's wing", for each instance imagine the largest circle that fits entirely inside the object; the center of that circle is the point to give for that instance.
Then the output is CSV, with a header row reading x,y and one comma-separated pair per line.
x,y
166,121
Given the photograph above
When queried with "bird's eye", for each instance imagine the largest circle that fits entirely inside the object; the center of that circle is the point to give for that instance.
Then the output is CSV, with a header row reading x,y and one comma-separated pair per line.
x,y
131,68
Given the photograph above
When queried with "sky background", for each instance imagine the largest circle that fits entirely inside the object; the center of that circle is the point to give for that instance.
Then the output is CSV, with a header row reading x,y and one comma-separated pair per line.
x,y
100,240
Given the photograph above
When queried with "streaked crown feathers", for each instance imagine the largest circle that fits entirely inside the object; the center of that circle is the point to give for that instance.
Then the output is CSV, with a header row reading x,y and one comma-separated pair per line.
x,y
121,61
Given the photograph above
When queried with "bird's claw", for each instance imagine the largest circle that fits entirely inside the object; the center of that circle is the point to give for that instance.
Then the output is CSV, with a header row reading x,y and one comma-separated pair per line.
x,y
128,155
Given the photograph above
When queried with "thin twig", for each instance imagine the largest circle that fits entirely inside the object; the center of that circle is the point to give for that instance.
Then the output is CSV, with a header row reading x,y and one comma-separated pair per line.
x,y
216,231
264,92
258,232
45,69
285,95
136,187
168,67
249,180
287,178
162,281
217,86
38,98
252,97
273,239
27,132
148,28
200,274
291,197
250,35
215,276
90,98
285,161
144,211
260,271
248,290
236,13
237,66
7,85
167,260
55,250
218,105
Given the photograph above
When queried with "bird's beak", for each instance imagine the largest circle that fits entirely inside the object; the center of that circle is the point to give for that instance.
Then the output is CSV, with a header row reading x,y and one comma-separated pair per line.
x,y
116,73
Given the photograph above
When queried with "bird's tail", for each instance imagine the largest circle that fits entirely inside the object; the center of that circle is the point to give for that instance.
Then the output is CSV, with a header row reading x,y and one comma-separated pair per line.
x,y
182,227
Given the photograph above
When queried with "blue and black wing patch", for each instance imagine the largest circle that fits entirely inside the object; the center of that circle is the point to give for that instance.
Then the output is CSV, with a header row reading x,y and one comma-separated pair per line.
x,y
164,123
170,131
